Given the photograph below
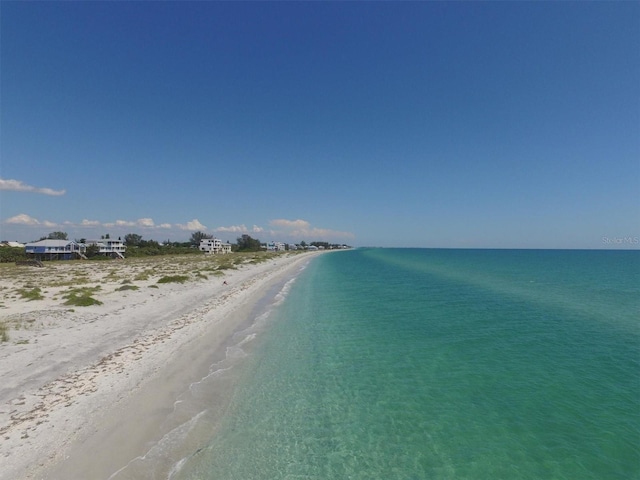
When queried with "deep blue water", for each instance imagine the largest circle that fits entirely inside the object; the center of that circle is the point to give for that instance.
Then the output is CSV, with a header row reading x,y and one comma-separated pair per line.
x,y
439,364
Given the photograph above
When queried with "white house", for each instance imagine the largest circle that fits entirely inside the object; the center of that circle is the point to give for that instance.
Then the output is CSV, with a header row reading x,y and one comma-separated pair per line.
x,y
214,245
109,247
276,247
55,250
12,244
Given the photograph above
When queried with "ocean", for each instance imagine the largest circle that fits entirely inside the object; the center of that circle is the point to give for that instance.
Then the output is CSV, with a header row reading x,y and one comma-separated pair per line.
x,y
433,364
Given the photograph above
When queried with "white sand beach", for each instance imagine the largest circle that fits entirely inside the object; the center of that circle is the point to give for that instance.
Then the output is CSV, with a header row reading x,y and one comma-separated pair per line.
x,y
84,387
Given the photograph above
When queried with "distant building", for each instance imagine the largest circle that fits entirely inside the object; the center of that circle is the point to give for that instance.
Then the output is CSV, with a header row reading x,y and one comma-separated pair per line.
x,y
12,244
214,245
275,247
55,250
109,247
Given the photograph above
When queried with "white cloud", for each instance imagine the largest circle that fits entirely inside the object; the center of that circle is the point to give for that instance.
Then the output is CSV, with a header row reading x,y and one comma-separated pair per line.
x,y
289,224
87,223
18,186
192,225
239,229
22,219
232,229
145,222
141,222
125,223
280,229
301,229
328,233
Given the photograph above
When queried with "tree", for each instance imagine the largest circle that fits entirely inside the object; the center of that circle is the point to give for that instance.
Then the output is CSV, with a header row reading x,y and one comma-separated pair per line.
x,y
133,239
57,236
149,244
197,236
92,251
247,244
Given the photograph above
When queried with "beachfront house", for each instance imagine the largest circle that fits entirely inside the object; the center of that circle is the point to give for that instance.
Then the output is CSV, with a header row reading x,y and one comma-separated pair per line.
x,y
12,244
55,250
109,247
214,245
275,247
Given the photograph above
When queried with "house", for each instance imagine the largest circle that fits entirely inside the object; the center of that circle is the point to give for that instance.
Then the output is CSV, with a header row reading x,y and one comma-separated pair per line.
x,y
214,245
55,250
109,247
12,244
275,247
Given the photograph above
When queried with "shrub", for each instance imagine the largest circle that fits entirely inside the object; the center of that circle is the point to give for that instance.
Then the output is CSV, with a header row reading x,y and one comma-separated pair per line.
x,y
4,332
82,300
12,254
81,297
173,279
227,266
33,294
127,287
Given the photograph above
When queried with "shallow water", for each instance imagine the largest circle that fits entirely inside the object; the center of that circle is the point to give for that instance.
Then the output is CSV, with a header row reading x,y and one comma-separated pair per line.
x,y
435,364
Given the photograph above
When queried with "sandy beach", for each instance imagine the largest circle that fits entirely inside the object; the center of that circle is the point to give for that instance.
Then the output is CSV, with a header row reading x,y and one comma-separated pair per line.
x,y
84,387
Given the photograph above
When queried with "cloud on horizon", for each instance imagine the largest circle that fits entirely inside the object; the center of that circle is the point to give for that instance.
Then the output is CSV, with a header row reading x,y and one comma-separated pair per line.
x,y
281,229
193,225
288,230
19,186
146,223
290,224
239,229
86,223
24,219
301,229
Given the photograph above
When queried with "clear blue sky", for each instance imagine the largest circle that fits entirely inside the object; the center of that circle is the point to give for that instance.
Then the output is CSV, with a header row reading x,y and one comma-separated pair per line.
x,y
421,124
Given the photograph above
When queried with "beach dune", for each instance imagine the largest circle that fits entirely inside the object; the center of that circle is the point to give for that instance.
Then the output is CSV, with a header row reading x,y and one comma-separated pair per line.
x,y
85,388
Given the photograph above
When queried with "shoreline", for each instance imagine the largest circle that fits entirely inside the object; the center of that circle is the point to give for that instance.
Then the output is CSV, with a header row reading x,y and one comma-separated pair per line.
x,y
87,388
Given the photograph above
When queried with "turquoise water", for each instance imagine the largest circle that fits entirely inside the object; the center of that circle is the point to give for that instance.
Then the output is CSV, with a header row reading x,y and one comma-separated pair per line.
x,y
440,364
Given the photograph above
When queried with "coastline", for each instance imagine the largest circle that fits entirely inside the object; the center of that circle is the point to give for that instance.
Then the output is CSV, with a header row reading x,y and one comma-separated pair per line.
x,y
86,390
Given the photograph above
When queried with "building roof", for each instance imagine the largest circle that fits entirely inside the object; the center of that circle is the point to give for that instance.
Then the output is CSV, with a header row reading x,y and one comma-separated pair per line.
x,y
50,243
105,240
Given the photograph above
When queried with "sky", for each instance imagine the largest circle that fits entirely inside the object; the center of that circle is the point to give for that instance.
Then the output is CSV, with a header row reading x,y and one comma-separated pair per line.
x,y
406,124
